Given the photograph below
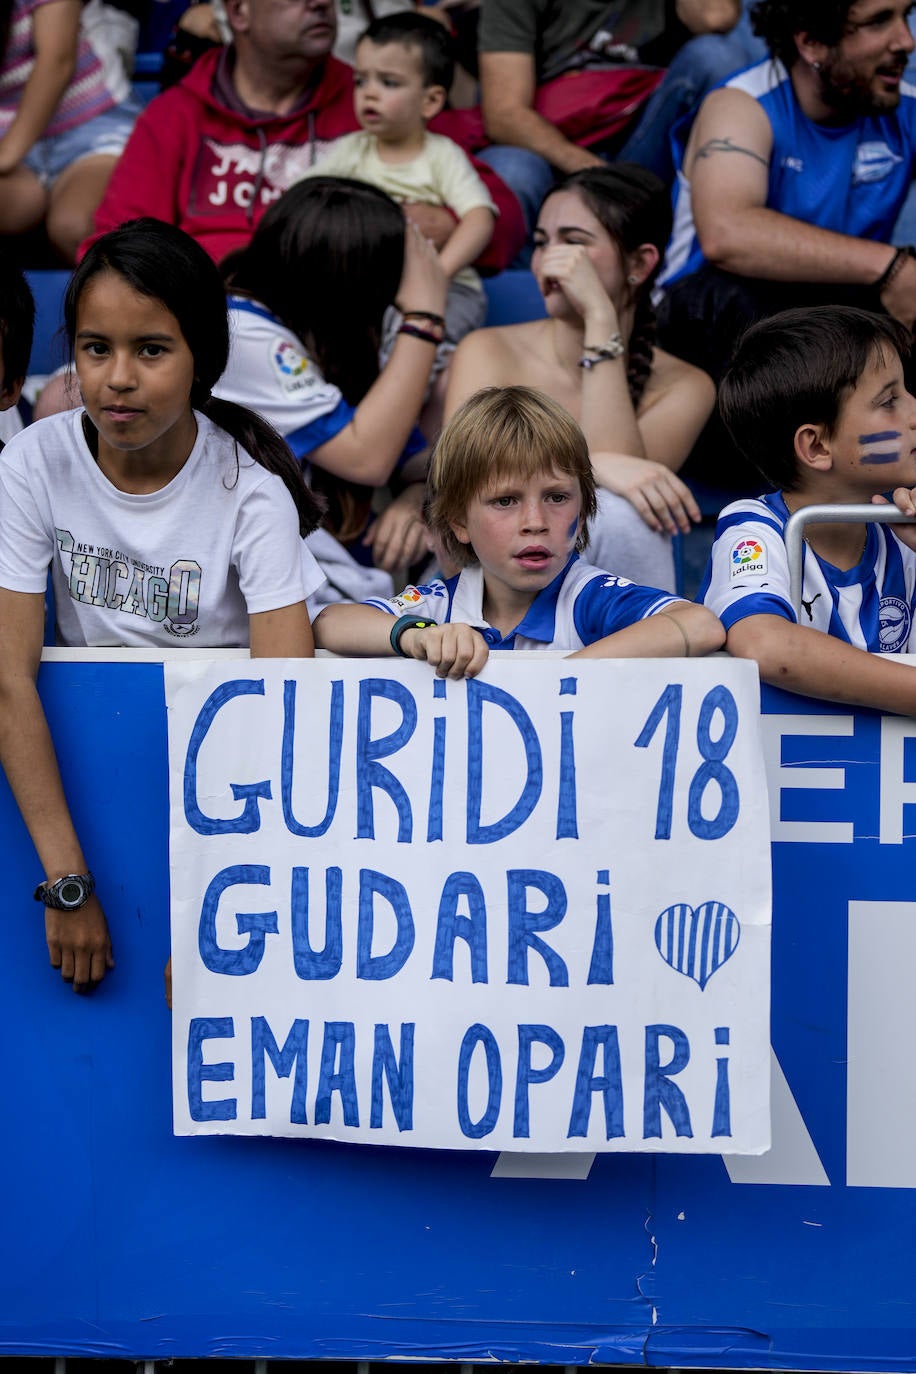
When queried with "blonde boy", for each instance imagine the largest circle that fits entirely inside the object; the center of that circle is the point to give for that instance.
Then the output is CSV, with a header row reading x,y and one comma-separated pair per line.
x,y
510,492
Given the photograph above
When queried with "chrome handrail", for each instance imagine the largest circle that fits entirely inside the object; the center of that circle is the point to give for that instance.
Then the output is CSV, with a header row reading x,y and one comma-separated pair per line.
x,y
794,533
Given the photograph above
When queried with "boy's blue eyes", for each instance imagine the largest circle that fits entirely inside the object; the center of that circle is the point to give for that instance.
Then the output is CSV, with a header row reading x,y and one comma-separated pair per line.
x,y
557,498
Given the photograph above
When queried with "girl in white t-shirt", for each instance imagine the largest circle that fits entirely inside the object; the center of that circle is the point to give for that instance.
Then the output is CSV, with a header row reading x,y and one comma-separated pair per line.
x,y
163,515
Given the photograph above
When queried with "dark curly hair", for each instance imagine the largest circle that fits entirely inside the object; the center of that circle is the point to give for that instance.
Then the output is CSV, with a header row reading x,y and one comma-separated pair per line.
x,y
634,207
778,21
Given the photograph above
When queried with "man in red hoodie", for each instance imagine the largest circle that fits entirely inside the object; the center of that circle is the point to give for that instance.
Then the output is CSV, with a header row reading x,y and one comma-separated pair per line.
x,y
213,152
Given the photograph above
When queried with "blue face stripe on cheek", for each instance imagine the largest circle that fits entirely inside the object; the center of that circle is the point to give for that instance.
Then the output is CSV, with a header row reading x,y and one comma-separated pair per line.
x,y
884,455
571,532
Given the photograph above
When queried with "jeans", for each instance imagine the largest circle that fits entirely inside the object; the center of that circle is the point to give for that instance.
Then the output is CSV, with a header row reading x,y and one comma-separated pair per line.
x,y
700,64
529,176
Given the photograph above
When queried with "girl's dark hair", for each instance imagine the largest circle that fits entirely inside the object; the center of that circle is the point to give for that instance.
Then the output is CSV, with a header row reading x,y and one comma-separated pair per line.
x,y
327,259
17,324
633,205
798,368
162,262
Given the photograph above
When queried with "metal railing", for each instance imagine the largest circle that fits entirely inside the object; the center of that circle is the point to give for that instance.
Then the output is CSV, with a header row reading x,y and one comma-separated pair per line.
x,y
794,533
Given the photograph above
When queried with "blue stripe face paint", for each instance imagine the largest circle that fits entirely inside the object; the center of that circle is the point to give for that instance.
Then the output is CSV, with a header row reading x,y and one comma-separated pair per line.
x,y
882,447
573,529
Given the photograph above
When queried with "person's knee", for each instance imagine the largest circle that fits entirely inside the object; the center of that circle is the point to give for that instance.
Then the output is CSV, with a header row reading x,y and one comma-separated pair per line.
x,y
67,225
22,205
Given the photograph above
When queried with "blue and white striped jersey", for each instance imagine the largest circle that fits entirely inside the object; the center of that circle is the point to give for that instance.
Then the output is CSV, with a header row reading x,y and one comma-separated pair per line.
x,y
870,606
581,605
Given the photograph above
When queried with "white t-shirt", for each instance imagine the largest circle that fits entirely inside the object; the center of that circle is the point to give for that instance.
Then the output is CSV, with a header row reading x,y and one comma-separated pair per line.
x,y
441,174
219,542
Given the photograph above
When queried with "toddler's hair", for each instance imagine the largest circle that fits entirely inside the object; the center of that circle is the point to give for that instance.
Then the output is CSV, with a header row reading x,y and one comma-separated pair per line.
x,y
162,262
17,323
502,432
428,36
797,368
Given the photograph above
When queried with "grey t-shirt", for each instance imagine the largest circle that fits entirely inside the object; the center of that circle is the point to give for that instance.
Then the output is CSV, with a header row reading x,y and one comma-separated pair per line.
x,y
554,31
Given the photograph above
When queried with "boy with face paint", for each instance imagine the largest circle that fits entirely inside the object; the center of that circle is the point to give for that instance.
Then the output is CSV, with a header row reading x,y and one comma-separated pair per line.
x,y
817,400
509,495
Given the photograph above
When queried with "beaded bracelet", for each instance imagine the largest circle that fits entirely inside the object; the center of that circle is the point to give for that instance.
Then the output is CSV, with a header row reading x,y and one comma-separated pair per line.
x,y
423,334
613,348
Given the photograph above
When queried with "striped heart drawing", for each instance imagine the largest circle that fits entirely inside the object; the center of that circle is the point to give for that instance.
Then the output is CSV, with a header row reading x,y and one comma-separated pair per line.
x,y
696,941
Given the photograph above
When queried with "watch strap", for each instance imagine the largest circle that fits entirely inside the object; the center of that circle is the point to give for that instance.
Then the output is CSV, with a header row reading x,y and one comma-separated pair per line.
x,y
54,894
407,622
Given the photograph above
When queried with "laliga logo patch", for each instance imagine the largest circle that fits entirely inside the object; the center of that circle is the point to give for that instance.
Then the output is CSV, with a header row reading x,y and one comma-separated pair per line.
x,y
407,599
288,361
697,941
748,556
893,624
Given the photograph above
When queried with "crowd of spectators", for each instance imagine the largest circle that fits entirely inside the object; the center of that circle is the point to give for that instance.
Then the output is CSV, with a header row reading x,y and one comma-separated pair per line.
x,y
298,230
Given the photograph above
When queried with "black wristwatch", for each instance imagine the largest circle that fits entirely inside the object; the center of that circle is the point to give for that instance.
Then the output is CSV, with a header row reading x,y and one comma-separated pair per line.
x,y
68,893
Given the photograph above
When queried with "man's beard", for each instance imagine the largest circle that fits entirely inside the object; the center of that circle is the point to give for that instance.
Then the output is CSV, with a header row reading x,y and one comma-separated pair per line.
x,y
850,93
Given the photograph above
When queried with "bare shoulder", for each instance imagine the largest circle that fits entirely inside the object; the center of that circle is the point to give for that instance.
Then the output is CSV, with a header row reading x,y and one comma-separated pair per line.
x,y
672,376
500,356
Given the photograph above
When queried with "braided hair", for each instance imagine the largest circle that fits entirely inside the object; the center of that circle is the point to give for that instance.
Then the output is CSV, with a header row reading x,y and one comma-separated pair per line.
x,y
632,204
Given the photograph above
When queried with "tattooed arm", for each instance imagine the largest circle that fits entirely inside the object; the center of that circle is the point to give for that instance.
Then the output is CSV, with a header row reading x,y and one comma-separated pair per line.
x,y
727,163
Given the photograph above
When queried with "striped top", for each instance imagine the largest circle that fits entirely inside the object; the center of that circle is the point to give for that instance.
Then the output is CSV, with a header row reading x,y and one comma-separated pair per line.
x,y
96,85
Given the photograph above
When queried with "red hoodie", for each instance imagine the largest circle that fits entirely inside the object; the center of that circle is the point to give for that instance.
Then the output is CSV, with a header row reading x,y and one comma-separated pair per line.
x,y
196,162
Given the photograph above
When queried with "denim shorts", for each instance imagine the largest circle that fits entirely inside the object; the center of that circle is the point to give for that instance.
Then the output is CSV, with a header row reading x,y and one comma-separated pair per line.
x,y
105,133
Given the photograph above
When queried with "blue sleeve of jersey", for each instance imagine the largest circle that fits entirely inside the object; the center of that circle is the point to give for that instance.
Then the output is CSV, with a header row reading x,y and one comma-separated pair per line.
x,y
307,438
607,604
304,440
754,603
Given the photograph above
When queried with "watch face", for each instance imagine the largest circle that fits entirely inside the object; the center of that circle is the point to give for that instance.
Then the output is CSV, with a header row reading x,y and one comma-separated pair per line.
x,y
71,892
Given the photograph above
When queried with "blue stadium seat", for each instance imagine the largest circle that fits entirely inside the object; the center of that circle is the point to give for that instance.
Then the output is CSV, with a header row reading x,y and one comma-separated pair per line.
x,y
49,348
513,297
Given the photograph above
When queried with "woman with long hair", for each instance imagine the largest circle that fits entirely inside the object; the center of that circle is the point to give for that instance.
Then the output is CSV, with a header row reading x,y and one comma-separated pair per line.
x,y
598,246
307,300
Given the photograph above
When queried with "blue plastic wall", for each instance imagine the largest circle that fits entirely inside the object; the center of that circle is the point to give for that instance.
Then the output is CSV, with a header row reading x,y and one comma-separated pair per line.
x,y
120,1239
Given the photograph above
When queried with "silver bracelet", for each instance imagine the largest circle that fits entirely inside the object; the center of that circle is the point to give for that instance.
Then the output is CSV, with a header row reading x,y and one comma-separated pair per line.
x,y
601,353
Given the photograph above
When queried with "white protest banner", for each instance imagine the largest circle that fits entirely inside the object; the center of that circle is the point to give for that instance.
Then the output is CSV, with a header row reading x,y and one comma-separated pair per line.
x,y
524,912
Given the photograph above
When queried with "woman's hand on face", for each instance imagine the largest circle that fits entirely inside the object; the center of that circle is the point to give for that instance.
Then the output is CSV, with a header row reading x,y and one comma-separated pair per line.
x,y
424,284
661,498
569,265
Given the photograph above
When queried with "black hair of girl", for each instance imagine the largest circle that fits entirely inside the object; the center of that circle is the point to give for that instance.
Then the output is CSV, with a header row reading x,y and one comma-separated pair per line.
x,y
327,259
162,262
634,206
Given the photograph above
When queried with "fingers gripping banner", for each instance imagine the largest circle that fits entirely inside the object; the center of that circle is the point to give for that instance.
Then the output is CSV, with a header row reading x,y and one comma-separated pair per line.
x,y
528,911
